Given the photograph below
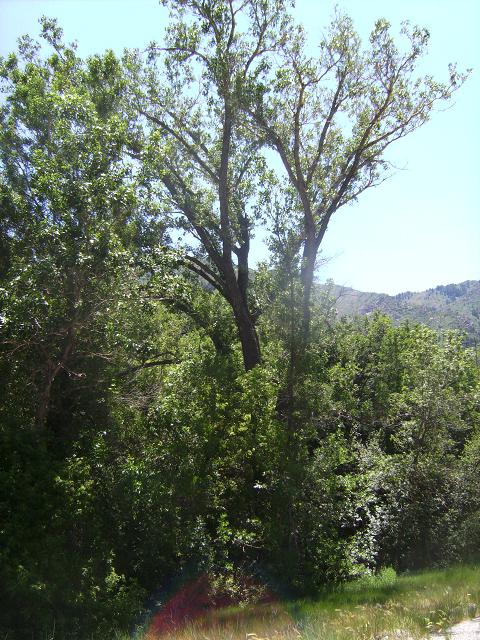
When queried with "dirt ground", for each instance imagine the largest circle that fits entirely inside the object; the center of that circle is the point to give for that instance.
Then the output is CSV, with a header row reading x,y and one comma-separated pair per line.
x,y
467,630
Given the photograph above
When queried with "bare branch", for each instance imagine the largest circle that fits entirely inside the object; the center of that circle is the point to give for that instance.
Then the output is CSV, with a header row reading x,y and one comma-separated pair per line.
x,y
328,122
146,365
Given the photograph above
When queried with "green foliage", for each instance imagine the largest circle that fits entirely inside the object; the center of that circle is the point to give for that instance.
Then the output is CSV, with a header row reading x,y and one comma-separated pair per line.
x,y
144,440
70,206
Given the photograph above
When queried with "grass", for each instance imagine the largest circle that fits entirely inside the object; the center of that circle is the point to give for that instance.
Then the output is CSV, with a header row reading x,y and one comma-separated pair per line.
x,y
386,606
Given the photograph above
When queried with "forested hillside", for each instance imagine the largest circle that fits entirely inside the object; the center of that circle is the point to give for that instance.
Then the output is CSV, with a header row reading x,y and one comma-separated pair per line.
x,y
164,416
452,306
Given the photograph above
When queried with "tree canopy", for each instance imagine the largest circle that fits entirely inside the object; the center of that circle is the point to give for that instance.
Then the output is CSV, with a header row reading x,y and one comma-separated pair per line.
x,y
233,80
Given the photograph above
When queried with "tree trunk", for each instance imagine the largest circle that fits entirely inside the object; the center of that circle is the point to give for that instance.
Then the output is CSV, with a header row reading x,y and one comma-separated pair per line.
x,y
307,274
53,369
246,332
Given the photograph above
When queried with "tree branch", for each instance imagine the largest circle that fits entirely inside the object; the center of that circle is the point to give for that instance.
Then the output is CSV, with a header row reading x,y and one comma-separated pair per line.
x,y
188,147
146,365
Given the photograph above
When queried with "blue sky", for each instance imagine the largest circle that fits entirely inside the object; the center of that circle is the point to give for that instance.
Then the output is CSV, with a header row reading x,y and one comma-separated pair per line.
x,y
421,227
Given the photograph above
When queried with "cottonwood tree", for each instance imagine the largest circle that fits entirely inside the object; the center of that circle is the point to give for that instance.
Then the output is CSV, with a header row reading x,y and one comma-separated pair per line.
x,y
195,141
238,78
332,117
68,205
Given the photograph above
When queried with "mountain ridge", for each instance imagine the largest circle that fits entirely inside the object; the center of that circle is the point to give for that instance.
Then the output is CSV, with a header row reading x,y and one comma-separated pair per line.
x,y
451,306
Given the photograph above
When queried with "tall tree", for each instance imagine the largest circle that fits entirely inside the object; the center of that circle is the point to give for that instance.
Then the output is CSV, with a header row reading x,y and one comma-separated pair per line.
x,y
331,119
198,145
68,206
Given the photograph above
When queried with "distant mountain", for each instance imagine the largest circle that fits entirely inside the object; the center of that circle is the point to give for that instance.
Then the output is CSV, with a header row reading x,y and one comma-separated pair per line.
x,y
451,306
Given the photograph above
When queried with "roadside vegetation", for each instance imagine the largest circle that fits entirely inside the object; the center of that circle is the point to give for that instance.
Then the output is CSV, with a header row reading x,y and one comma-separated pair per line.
x,y
378,607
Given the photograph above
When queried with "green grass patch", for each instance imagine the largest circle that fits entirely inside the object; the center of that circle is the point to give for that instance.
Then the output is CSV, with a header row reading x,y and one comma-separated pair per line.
x,y
408,606
386,606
